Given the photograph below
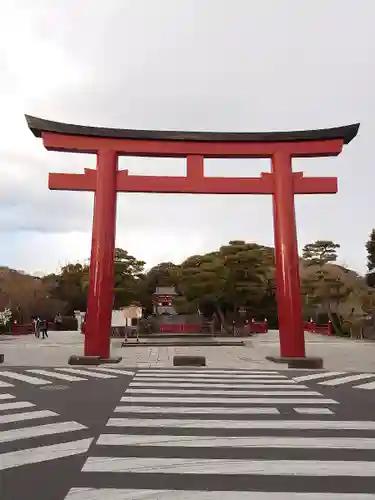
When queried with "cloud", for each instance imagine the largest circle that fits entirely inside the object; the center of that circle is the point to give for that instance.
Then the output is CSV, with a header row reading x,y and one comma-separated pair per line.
x,y
186,65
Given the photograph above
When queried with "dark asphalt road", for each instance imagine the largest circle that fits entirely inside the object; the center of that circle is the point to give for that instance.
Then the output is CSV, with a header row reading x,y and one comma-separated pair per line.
x,y
201,436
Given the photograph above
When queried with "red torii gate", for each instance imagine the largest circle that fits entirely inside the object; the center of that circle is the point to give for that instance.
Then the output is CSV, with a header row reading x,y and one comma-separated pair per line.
x,y
107,180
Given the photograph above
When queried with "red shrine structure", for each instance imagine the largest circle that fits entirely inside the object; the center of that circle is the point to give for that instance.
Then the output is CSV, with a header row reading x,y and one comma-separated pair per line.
x,y
106,181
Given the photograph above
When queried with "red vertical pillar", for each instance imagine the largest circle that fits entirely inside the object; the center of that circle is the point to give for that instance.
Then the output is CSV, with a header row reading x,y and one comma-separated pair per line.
x,y
292,342
100,294
92,257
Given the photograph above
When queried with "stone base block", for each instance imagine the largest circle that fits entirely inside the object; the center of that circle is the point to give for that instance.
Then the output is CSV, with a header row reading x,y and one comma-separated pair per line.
x,y
114,359
306,362
84,360
189,361
93,360
1,358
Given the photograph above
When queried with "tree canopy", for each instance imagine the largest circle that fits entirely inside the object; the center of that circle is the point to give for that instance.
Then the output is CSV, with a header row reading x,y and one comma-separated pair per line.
x,y
236,279
320,252
370,248
236,276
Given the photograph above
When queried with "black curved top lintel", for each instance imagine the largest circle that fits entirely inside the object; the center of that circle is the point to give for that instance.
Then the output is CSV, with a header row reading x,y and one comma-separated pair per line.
x,y
39,125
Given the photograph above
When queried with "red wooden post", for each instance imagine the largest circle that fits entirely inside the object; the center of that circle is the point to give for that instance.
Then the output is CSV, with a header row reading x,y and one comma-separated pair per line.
x,y
100,299
287,262
90,296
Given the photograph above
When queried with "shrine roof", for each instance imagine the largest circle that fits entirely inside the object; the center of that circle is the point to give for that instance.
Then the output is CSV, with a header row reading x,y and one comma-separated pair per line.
x,y
40,125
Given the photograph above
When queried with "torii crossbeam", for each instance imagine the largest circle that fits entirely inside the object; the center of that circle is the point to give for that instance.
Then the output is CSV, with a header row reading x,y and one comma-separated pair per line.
x,y
107,180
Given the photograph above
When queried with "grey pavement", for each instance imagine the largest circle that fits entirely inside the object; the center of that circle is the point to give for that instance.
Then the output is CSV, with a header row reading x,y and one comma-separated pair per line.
x,y
241,428
174,433
339,354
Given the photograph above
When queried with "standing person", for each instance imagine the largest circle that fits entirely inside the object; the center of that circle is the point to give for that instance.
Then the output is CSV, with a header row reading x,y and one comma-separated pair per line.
x,y
44,329
58,321
34,325
37,327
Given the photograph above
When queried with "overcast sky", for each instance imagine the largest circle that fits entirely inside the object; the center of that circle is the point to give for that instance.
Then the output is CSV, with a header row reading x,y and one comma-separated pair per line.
x,y
238,65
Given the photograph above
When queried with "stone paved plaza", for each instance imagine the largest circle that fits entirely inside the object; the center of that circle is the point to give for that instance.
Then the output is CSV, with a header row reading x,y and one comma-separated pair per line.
x,y
338,354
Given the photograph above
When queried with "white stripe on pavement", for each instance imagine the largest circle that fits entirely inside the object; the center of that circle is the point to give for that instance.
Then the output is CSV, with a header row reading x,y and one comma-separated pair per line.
x,y
211,375
40,430
121,494
345,380
16,405
19,417
198,409
243,424
315,376
59,376
24,378
117,371
7,396
293,468
217,386
256,401
237,442
88,373
43,453
207,392
313,411
232,381
369,386
213,371
5,384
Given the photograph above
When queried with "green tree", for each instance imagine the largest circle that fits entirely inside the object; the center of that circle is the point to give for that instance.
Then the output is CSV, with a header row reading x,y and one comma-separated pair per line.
x,y
321,287
320,252
128,278
248,274
235,276
370,248
201,282
70,286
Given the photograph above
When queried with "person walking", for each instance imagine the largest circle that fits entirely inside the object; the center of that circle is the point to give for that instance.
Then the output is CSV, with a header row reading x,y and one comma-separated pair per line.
x,y
44,329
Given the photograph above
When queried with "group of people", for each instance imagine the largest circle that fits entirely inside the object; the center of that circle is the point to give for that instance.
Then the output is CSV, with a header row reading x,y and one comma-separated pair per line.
x,y
40,327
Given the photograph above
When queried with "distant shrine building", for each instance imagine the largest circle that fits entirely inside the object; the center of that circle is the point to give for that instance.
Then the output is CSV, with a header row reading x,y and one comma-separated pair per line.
x,y
163,300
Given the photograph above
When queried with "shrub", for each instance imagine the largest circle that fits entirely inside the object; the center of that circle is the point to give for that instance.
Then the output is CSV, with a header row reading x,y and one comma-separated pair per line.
x,y
69,323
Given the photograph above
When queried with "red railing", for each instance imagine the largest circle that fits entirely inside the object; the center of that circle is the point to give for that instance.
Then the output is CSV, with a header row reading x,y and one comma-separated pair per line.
x,y
312,327
252,327
259,326
26,329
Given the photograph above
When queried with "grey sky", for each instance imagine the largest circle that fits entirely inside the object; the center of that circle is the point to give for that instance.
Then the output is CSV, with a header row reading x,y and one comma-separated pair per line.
x,y
239,65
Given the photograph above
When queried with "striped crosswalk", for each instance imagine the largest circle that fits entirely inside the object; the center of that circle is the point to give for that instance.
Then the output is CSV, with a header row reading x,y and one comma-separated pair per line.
x,y
335,379
235,441
160,494
46,376
29,435
218,379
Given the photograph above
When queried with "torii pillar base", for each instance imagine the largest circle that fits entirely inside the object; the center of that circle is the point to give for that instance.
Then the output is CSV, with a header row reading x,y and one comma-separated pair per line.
x,y
92,360
304,362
